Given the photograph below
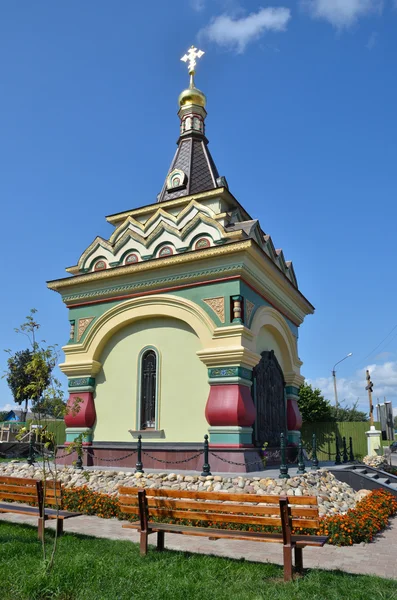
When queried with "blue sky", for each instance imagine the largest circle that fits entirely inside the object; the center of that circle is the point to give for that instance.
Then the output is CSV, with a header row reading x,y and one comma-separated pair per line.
x,y
301,121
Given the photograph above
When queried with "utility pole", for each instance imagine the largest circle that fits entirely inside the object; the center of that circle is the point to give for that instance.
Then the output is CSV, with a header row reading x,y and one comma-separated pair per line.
x,y
369,389
335,388
334,377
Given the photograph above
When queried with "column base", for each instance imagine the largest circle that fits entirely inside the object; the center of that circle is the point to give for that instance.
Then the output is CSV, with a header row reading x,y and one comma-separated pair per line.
x,y
373,440
73,432
293,437
230,435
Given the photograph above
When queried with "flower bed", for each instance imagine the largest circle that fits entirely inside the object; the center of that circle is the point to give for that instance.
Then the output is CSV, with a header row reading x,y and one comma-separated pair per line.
x,y
360,524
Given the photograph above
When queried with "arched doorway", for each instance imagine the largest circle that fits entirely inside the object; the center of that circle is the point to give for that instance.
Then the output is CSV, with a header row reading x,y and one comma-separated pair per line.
x,y
269,399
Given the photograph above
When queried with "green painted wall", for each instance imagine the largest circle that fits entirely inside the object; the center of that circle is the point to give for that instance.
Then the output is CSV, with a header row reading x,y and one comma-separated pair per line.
x,y
195,294
183,382
326,434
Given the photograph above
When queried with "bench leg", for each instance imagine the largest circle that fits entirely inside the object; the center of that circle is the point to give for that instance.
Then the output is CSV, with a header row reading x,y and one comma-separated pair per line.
x,y
299,560
40,528
144,541
287,552
59,527
160,541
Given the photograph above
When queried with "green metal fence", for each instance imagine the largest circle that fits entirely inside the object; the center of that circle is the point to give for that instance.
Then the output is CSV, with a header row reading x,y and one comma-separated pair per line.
x,y
326,434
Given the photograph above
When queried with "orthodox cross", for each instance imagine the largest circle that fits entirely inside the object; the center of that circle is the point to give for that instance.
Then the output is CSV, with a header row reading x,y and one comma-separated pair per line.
x,y
191,56
369,389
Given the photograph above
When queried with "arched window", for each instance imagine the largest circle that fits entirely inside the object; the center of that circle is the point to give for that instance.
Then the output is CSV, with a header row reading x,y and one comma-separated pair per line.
x,y
148,389
100,265
131,258
165,251
202,243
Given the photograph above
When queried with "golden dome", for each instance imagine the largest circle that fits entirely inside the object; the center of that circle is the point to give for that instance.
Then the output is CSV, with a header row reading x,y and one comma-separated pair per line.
x,y
192,96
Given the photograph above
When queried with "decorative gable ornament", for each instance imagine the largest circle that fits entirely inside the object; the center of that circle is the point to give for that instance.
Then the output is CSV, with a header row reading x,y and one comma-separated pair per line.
x,y
176,180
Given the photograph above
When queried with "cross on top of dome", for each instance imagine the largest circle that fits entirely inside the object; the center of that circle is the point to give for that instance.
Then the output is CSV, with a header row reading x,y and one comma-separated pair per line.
x,y
191,56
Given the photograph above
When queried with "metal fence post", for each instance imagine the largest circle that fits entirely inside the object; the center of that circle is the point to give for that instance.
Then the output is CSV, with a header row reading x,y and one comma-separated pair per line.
x,y
351,455
139,465
314,453
344,446
30,459
206,466
301,462
283,466
337,455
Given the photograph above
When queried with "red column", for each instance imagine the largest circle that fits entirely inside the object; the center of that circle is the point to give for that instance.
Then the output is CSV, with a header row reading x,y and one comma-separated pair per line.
x,y
230,405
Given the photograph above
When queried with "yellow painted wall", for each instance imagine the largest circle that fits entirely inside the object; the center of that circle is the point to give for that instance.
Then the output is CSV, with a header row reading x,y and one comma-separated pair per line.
x,y
183,389
267,340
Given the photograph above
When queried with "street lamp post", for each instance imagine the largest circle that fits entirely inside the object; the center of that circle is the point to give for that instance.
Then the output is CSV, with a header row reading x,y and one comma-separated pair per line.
x,y
334,377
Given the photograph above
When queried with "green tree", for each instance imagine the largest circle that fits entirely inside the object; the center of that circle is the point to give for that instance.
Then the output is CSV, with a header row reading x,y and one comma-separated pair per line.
x,y
30,372
395,422
20,379
31,378
348,413
313,407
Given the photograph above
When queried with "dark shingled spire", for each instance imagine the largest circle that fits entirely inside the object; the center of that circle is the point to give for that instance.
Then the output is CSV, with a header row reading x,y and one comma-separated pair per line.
x,y
192,170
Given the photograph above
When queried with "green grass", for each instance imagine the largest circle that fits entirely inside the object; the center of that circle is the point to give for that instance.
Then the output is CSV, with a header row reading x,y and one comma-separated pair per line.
x,y
89,568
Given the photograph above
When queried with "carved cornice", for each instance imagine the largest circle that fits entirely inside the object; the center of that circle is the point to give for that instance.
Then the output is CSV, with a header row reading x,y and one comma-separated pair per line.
x,y
117,218
223,357
177,259
293,379
82,368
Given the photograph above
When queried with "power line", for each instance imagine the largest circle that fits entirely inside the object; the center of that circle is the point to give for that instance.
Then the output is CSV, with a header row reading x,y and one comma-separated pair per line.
x,y
380,343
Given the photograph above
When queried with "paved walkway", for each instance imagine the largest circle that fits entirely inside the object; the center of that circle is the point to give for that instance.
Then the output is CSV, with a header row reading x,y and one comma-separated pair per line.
x,y
378,558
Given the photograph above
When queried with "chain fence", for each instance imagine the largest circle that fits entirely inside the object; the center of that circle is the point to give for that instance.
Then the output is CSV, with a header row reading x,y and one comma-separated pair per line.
x,y
283,455
173,462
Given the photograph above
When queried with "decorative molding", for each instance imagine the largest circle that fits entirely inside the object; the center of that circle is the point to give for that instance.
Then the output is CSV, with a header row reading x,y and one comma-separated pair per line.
x,y
82,326
177,259
107,294
79,368
294,379
72,329
249,308
114,219
217,372
291,390
81,382
218,306
220,357
236,309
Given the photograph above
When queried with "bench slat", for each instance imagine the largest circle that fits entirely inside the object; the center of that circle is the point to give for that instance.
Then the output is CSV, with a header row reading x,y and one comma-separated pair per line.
x,y
31,491
227,507
217,533
310,540
131,510
214,517
17,497
18,481
268,499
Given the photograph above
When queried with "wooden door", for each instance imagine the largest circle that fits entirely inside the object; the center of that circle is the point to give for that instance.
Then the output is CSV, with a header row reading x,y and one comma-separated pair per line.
x,y
269,398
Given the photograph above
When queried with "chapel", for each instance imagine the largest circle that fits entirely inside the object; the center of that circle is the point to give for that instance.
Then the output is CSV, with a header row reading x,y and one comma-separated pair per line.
x,y
185,321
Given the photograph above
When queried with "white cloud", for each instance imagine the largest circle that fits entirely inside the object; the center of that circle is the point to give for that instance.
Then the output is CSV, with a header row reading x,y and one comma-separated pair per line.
x,y
341,13
235,33
9,407
383,376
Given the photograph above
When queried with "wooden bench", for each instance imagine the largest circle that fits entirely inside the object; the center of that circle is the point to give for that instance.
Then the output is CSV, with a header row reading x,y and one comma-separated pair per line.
x,y
22,492
285,513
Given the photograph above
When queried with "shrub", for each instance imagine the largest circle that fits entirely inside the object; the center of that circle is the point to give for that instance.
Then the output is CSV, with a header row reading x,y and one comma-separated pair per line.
x,y
90,503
